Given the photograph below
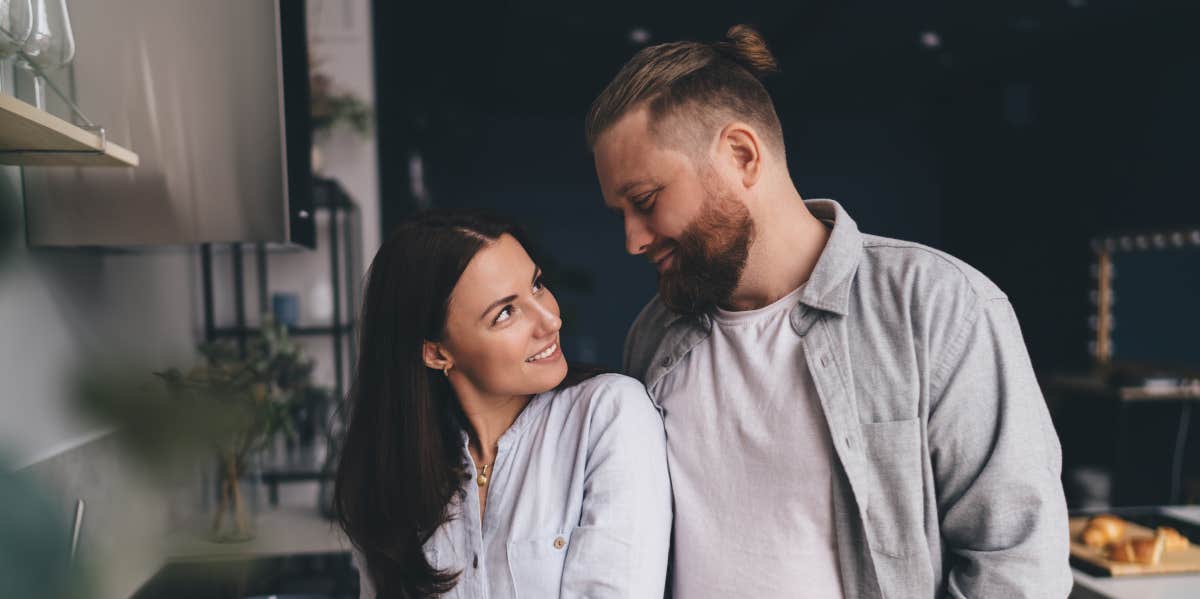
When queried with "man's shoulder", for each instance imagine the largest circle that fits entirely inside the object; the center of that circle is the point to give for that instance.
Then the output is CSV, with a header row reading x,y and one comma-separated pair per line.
x,y
655,316
645,334
925,269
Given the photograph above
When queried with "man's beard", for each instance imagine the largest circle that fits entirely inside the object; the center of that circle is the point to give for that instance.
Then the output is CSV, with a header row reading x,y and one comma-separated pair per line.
x,y
709,257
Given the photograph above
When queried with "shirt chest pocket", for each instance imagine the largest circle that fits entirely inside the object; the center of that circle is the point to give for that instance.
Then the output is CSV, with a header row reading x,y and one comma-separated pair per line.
x,y
537,565
895,509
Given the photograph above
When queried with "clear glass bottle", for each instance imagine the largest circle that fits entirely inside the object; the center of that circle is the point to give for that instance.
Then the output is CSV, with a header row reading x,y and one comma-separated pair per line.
x,y
51,44
16,23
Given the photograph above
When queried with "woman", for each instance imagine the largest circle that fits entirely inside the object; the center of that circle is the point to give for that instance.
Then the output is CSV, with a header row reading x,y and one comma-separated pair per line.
x,y
476,463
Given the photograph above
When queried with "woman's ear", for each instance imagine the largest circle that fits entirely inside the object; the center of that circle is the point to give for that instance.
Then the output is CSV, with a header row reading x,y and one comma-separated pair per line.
x,y
435,356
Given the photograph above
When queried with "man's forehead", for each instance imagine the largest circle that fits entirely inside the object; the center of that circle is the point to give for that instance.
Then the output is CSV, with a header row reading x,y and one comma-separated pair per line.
x,y
630,132
623,155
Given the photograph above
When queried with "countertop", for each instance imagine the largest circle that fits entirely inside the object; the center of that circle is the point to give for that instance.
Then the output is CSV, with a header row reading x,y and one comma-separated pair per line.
x,y
294,550
285,530
298,530
1182,586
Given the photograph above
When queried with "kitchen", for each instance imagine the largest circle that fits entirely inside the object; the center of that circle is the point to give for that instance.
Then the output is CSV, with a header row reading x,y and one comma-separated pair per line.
x,y
935,124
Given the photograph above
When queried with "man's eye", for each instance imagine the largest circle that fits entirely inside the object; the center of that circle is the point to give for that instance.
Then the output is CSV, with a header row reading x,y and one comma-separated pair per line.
x,y
644,203
504,314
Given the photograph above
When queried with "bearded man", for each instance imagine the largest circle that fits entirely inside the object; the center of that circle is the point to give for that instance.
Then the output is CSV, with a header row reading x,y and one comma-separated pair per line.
x,y
846,415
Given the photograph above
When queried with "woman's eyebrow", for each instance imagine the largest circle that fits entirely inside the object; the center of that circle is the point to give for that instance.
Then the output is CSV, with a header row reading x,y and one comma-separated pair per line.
x,y
499,302
504,300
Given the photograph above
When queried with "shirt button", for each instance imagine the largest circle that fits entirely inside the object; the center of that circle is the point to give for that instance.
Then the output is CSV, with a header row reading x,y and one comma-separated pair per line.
x,y
666,361
559,543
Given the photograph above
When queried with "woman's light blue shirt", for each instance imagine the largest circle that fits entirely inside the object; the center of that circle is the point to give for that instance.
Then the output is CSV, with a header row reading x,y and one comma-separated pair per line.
x,y
578,505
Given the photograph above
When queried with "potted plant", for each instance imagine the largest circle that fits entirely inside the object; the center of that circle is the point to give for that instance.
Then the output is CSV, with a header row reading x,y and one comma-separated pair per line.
x,y
253,395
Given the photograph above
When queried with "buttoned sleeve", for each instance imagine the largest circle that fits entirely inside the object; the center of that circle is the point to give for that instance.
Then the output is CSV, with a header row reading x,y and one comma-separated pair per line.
x,y
996,462
620,547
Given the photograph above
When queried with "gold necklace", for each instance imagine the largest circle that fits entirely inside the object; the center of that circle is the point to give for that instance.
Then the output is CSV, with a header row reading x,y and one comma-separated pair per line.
x,y
482,479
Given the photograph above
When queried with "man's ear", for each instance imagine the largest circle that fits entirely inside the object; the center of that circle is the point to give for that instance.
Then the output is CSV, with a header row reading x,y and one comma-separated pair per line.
x,y
436,356
740,144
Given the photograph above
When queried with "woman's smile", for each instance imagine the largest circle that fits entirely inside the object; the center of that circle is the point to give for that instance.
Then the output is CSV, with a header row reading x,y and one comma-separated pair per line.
x,y
549,354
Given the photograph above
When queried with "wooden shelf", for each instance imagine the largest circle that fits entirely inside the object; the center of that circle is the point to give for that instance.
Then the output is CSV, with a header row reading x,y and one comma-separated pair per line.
x,y
29,136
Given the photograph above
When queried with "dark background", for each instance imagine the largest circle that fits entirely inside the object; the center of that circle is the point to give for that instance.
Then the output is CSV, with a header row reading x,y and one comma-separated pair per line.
x,y
1033,127
1026,130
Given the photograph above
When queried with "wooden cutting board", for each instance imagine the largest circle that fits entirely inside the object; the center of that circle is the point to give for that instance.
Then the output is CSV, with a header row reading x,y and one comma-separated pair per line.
x,y
1093,560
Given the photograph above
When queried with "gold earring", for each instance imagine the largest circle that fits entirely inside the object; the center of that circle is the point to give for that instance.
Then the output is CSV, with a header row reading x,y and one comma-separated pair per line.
x,y
446,371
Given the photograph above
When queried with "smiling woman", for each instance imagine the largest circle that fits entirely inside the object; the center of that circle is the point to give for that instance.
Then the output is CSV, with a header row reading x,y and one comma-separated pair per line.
x,y
476,462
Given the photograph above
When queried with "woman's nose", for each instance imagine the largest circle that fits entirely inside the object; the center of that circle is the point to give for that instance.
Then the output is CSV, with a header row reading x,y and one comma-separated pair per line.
x,y
550,320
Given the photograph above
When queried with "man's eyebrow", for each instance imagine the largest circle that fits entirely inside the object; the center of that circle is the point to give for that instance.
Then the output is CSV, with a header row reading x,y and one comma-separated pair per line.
x,y
627,187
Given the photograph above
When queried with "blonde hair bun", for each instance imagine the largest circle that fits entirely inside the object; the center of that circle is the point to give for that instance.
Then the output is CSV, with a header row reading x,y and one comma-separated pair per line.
x,y
745,46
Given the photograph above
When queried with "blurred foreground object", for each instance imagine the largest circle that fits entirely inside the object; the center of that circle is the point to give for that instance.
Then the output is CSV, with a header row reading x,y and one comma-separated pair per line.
x,y
35,546
230,402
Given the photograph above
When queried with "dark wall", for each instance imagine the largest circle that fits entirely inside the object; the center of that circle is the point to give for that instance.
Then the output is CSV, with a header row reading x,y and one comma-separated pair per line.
x,y
1026,129
1063,129
494,105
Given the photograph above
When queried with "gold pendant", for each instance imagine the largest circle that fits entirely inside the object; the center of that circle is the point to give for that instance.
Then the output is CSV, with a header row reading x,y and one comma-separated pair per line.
x,y
482,480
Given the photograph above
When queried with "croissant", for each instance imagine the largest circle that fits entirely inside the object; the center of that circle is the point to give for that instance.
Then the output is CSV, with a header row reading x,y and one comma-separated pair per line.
x,y
1103,530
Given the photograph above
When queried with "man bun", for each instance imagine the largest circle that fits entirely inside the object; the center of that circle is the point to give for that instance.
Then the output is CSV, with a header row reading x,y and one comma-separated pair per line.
x,y
747,48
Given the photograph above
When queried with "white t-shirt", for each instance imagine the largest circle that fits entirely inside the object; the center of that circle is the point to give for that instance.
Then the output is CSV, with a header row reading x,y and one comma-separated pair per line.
x,y
751,463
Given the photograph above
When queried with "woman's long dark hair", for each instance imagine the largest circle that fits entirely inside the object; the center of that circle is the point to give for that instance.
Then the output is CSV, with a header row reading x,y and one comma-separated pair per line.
x,y
402,458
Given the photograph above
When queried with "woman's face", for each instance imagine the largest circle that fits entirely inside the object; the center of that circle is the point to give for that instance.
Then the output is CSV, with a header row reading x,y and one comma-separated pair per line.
x,y
502,325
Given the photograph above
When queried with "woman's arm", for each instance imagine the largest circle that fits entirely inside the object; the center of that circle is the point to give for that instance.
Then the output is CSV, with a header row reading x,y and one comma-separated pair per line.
x,y
620,547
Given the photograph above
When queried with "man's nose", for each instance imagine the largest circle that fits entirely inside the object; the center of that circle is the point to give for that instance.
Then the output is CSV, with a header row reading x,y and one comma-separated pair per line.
x,y
637,236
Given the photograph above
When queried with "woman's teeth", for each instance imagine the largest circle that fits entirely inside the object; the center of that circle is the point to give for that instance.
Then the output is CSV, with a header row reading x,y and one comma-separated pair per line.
x,y
546,353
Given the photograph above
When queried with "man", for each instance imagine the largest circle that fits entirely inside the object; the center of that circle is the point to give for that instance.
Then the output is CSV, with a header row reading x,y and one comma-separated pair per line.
x,y
846,415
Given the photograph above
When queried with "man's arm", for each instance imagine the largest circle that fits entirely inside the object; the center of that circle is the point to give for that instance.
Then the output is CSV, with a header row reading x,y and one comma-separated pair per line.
x,y
996,463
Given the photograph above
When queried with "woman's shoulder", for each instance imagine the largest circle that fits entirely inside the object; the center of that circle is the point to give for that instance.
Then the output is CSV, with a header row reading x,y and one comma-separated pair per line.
x,y
608,385
610,396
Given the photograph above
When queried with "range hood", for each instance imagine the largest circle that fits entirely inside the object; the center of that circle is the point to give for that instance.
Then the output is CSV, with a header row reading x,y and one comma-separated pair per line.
x,y
213,96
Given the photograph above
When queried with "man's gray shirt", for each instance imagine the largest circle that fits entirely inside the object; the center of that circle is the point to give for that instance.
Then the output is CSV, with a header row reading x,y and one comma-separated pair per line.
x,y
947,465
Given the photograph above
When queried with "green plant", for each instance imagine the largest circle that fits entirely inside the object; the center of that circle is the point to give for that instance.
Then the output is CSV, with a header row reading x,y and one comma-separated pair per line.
x,y
330,106
253,396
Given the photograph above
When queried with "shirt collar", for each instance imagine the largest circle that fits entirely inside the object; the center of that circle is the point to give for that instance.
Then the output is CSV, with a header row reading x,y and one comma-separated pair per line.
x,y
828,287
536,404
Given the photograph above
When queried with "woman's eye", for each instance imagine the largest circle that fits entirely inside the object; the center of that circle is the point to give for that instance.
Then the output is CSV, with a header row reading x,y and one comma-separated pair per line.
x,y
539,284
504,314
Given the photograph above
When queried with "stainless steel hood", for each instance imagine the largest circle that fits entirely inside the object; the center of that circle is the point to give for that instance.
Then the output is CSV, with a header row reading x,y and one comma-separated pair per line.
x,y
197,89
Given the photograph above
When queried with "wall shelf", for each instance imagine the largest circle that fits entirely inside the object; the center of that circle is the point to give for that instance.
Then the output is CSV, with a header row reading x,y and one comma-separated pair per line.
x,y
29,136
